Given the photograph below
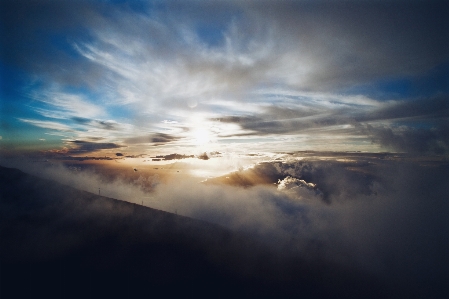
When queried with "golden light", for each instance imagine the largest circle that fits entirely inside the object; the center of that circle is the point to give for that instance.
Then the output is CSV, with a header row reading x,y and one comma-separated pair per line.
x,y
201,136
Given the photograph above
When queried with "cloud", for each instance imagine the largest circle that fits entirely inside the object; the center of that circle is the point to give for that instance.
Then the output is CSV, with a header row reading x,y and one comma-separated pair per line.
x,y
203,156
68,104
63,233
277,70
165,121
101,124
173,157
336,52
302,45
386,213
299,189
428,108
47,124
415,126
373,220
434,140
81,147
262,126
157,139
269,43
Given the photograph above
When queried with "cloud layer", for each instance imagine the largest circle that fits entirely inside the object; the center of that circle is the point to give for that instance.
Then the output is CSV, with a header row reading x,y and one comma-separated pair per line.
x,y
380,213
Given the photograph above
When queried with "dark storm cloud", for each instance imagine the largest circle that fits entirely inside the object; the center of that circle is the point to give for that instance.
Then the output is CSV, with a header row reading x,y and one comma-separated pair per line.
x,y
157,139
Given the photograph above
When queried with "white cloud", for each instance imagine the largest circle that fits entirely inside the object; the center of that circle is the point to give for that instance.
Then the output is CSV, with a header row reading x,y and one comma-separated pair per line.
x,y
166,121
47,124
299,189
158,67
66,105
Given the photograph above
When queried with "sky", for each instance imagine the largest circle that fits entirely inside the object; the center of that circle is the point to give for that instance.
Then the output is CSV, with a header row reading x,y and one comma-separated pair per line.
x,y
292,121
162,77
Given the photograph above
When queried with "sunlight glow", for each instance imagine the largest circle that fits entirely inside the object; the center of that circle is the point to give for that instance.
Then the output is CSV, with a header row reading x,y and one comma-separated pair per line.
x,y
202,136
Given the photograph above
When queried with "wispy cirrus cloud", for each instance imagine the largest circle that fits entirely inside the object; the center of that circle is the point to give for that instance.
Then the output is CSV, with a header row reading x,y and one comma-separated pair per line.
x,y
283,69
68,104
48,124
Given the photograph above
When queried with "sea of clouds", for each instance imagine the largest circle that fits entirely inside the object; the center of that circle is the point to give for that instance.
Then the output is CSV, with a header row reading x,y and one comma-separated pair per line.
x,y
384,216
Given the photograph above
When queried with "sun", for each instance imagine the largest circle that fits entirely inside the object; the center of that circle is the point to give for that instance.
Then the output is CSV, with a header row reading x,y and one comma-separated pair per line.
x,y
201,136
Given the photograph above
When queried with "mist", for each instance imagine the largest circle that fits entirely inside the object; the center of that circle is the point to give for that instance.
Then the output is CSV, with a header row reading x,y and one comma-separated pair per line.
x,y
386,217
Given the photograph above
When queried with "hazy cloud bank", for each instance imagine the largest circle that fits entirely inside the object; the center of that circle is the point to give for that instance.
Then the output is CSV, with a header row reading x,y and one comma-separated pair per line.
x,y
386,216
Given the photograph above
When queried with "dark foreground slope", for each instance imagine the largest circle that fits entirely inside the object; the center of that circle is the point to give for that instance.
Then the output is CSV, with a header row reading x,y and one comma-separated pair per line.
x,y
57,241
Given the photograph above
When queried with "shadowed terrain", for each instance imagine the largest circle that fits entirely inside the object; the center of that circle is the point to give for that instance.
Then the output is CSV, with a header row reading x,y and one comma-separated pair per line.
x,y
57,241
